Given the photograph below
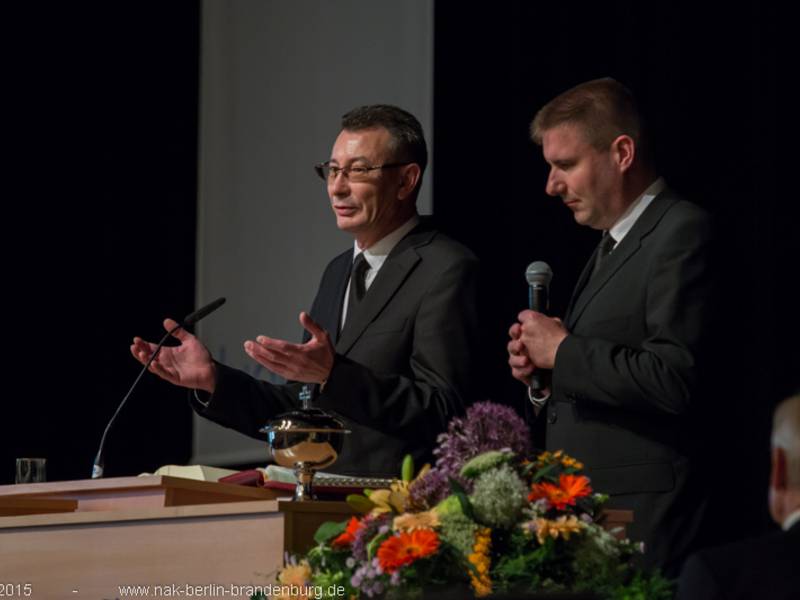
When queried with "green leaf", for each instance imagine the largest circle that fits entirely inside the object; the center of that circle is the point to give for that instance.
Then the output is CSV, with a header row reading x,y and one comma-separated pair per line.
x,y
329,530
360,503
407,471
460,493
546,472
448,506
372,547
485,462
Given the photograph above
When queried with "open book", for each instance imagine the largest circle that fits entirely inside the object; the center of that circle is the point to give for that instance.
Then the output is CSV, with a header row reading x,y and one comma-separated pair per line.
x,y
197,472
276,477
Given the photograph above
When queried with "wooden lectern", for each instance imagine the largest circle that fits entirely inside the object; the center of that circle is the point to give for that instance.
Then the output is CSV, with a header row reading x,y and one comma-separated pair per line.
x,y
85,539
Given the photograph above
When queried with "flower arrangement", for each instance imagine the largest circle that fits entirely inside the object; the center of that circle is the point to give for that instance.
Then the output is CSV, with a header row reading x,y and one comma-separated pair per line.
x,y
486,518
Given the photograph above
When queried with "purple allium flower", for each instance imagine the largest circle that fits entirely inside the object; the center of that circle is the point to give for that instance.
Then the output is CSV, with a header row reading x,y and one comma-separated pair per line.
x,y
486,426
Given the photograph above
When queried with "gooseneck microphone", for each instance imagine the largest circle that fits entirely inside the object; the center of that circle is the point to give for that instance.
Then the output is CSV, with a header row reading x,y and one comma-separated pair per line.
x,y
538,275
201,313
190,319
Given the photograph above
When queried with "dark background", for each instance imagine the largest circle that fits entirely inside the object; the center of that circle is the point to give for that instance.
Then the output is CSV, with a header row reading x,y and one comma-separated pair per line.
x,y
101,238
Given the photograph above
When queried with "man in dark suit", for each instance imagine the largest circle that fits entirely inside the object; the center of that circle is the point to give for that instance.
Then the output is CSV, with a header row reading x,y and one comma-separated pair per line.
x,y
627,358
389,342
765,567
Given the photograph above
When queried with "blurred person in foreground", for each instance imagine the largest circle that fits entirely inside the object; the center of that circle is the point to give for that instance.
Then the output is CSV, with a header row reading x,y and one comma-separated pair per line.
x,y
765,567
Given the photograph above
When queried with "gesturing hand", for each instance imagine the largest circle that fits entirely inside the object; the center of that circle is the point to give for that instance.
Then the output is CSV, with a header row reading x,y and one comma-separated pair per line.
x,y
308,363
188,365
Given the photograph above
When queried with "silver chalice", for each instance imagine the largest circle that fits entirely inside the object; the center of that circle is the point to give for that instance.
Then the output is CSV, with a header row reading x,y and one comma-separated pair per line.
x,y
307,440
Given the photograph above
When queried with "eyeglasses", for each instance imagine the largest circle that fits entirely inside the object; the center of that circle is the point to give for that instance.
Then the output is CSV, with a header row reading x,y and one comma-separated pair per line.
x,y
329,172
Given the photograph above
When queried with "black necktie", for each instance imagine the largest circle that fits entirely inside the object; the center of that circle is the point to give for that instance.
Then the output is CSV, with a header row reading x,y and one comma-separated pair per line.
x,y
607,244
358,285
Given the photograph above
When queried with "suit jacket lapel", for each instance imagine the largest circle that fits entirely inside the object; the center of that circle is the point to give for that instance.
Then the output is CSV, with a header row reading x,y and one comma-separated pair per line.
x,y
588,285
585,274
328,306
400,262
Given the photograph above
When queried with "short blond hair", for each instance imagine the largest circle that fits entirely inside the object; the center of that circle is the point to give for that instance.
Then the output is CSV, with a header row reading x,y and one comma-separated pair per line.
x,y
602,109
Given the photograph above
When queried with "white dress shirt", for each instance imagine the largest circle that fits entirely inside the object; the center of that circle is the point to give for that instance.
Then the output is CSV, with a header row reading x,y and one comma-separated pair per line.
x,y
375,256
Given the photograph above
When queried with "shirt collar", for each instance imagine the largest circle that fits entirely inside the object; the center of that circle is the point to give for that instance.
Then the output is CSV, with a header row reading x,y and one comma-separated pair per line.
x,y
790,521
376,254
624,224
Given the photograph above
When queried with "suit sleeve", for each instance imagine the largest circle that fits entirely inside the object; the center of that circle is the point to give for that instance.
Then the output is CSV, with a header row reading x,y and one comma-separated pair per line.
x,y
697,581
421,403
244,403
660,373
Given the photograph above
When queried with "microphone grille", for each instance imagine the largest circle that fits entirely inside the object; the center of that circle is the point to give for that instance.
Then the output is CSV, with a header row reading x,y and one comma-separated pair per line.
x,y
538,273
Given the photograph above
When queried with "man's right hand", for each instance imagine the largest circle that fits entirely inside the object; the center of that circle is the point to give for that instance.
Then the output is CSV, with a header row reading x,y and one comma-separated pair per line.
x,y
188,365
518,359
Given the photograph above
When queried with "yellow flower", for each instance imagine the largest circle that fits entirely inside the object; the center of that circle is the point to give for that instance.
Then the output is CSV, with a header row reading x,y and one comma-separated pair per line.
x,y
411,521
546,458
298,575
568,461
563,526
396,499
481,583
388,500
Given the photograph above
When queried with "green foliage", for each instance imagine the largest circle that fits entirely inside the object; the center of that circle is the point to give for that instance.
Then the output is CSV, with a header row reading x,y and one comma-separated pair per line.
x,y
484,462
372,547
360,503
644,587
329,530
407,470
461,494
548,473
449,505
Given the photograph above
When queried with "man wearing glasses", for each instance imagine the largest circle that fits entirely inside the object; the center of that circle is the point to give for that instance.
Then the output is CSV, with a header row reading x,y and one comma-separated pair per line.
x,y
390,339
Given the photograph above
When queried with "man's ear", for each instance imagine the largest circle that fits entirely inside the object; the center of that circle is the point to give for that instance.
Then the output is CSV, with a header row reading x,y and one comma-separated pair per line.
x,y
623,151
409,177
778,476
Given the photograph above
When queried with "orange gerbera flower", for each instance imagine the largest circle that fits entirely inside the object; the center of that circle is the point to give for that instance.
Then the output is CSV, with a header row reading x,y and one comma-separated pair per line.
x,y
406,547
349,534
568,489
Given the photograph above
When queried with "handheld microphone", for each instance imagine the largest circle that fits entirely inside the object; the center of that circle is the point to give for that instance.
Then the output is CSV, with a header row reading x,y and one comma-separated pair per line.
x,y
190,319
538,275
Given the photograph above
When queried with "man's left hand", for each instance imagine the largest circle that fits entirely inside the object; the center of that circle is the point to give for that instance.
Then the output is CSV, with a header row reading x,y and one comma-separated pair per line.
x,y
541,336
308,363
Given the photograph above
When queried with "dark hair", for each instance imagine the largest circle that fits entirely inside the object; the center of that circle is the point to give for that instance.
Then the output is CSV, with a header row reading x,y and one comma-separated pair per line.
x,y
603,109
408,140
